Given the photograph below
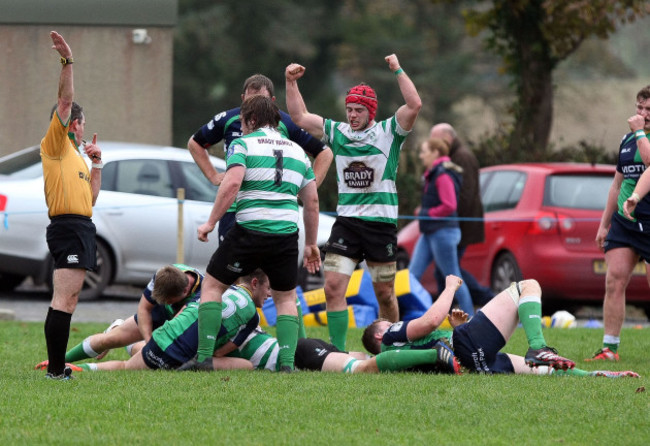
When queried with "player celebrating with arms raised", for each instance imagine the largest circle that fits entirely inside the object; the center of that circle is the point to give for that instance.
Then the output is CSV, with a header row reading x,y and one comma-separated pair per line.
x,y
366,153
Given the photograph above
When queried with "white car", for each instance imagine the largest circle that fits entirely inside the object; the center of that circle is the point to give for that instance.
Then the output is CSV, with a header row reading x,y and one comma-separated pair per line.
x,y
136,216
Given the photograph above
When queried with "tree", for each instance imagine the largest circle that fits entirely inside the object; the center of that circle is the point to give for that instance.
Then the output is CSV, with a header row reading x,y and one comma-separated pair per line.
x,y
532,37
219,44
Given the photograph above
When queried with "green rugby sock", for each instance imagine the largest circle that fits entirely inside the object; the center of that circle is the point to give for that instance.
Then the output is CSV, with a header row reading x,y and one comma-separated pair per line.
x,y
530,316
395,360
612,347
77,353
209,324
287,334
337,325
570,372
302,334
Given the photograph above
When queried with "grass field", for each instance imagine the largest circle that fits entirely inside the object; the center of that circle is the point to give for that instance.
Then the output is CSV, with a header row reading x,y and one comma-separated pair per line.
x,y
317,408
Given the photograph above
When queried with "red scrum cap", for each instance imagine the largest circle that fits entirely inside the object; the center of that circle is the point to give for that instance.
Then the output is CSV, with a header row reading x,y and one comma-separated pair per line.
x,y
363,94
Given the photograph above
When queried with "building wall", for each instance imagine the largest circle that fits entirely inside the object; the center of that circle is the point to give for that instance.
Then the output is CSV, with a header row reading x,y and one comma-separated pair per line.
x,y
124,87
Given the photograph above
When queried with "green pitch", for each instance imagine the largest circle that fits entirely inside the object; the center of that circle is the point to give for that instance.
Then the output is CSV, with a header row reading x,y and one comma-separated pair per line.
x,y
315,408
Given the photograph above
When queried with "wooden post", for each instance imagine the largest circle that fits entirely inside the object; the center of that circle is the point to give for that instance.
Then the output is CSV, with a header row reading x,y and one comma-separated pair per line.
x,y
180,247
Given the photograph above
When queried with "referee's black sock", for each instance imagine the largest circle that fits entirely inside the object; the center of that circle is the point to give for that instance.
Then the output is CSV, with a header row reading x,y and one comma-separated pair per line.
x,y
57,332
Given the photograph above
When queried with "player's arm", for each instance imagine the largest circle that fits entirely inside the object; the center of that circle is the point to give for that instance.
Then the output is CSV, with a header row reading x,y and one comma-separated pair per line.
x,y
637,124
311,255
435,315
145,321
322,164
296,107
202,159
225,197
408,112
321,153
610,208
66,87
226,348
640,190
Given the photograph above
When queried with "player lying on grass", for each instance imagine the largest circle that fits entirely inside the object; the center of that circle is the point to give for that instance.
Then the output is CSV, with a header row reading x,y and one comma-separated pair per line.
x,y
169,290
261,349
477,343
177,340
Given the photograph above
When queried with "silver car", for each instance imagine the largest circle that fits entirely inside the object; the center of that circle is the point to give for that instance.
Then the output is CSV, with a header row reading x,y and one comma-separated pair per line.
x,y
136,216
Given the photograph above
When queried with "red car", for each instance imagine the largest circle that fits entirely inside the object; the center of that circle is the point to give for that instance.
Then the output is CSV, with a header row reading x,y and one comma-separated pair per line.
x,y
540,222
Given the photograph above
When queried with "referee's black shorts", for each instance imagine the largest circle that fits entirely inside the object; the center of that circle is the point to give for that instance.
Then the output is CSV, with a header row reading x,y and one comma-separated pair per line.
x,y
71,240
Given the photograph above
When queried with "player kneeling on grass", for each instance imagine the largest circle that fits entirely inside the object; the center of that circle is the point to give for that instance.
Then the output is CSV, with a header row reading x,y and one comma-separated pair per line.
x,y
477,343
177,340
169,290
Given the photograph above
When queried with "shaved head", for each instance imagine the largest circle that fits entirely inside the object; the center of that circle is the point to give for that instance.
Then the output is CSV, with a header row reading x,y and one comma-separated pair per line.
x,y
444,131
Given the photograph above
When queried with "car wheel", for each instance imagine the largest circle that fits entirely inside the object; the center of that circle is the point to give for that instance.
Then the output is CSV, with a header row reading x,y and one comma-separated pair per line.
x,y
10,281
505,270
402,259
96,281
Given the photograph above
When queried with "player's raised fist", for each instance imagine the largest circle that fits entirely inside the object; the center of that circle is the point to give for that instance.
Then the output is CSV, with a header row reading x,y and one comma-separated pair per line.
x,y
294,71
393,63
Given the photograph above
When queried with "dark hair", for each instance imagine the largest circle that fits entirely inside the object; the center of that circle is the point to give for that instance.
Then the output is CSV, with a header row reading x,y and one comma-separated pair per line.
x,y
257,274
261,111
76,112
169,283
643,94
257,82
368,337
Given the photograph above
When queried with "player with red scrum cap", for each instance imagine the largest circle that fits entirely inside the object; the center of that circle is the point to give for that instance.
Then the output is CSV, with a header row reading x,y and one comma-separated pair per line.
x,y
366,153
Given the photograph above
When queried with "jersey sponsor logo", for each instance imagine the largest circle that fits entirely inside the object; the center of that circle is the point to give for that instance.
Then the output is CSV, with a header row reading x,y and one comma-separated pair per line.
x,y
73,258
84,177
277,142
626,150
633,169
397,326
358,175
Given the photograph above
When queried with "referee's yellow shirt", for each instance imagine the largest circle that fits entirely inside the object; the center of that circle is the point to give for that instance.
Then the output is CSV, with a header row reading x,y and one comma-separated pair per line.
x,y
66,175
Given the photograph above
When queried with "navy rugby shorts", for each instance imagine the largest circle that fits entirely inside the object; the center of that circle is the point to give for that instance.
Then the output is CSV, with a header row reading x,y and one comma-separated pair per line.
x,y
624,233
477,346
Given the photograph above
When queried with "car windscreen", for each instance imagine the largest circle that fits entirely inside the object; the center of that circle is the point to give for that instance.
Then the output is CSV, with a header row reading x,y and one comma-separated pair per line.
x,y
577,191
22,166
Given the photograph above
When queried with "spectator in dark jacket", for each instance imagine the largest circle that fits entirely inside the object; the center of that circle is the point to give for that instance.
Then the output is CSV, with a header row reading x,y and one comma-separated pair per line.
x,y
439,229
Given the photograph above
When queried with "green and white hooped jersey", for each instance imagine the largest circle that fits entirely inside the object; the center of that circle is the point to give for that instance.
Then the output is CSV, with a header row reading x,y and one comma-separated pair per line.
x,y
276,170
366,168
261,349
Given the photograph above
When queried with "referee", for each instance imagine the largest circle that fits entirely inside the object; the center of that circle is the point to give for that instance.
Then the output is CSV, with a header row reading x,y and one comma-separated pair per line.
x,y
70,193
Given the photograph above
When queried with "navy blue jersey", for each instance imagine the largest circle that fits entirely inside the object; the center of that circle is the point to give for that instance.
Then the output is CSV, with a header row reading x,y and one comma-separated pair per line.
x,y
395,338
226,126
631,166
